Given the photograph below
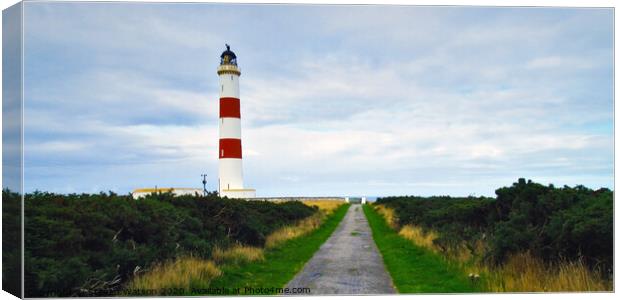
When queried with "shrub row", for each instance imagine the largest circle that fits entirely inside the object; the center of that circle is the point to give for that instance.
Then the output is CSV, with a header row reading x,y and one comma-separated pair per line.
x,y
553,224
91,244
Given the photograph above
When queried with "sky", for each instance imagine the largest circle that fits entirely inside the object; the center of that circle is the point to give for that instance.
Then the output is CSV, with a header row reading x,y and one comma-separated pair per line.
x,y
335,100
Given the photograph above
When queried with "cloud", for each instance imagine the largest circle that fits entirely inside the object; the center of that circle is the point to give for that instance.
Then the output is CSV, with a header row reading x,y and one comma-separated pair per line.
x,y
335,100
555,62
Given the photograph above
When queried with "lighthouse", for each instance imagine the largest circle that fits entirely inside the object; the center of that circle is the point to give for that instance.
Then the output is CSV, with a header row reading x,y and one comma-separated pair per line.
x,y
230,154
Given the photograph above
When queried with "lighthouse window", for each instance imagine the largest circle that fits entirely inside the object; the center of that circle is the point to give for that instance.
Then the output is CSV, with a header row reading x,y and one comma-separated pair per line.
x,y
222,87
231,77
222,152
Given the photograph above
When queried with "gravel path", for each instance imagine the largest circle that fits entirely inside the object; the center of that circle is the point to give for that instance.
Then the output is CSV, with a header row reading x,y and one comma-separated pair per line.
x,y
347,263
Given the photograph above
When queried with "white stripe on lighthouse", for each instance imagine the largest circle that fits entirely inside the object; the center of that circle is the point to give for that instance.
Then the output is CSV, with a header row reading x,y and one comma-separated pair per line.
x,y
230,128
229,86
231,174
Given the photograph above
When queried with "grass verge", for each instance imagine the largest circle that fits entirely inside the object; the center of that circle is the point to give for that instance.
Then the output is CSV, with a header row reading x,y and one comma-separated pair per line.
x,y
521,272
280,263
415,269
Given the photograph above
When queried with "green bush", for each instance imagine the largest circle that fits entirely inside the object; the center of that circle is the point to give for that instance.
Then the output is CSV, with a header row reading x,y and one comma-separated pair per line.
x,y
89,245
11,242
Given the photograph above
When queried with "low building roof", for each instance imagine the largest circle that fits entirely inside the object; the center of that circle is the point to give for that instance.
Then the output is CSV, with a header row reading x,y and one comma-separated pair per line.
x,y
164,190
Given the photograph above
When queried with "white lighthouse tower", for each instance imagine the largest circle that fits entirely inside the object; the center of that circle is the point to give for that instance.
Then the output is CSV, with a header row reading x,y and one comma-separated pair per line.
x,y
231,170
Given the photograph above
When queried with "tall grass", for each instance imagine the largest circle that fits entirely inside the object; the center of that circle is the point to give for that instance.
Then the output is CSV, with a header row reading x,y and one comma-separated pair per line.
x,y
309,224
182,273
418,236
426,238
423,237
327,206
237,254
524,273
520,273
388,214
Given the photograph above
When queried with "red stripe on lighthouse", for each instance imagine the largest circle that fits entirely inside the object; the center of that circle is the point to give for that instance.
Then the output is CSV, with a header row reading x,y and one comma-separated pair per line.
x,y
230,148
230,107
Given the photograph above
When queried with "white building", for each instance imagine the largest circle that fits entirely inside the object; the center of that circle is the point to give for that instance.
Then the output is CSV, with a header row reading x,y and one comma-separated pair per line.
x,y
141,193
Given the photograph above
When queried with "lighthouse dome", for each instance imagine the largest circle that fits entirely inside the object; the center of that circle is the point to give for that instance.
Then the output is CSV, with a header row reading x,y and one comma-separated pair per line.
x,y
228,57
